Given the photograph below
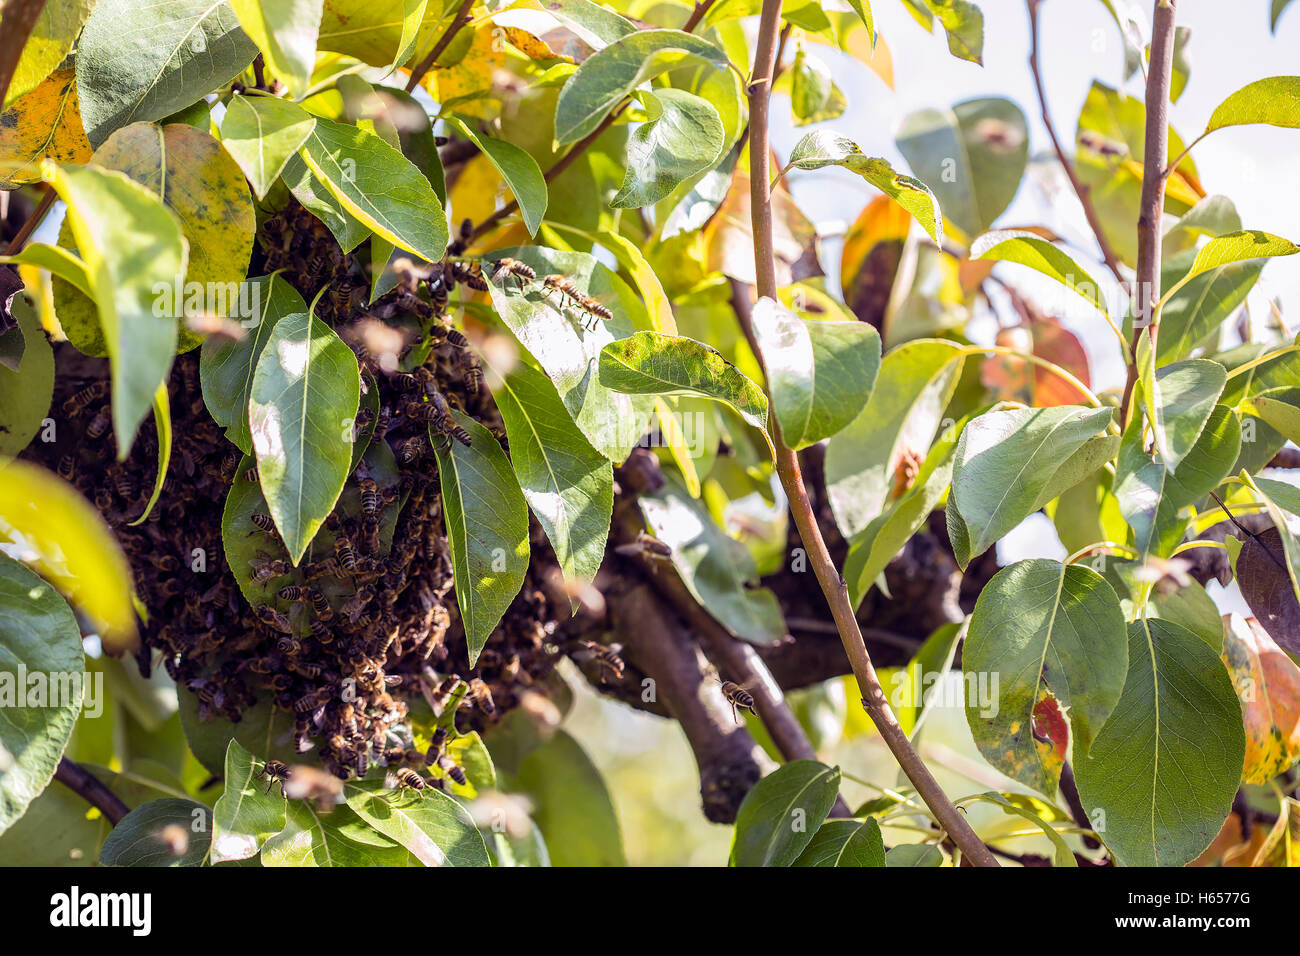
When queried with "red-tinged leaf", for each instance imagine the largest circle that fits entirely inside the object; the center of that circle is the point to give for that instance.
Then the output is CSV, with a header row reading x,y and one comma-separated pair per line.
x,y
873,250
1017,380
1268,686
1051,732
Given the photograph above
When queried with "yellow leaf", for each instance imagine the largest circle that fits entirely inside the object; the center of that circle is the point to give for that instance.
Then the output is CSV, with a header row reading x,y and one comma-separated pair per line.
x,y
44,123
60,535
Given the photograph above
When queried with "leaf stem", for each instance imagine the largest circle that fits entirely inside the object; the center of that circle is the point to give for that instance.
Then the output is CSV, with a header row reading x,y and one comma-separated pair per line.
x,y
832,583
25,232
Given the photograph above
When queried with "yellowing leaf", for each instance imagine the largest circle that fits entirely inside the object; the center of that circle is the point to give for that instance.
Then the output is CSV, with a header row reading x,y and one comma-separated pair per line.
x,y
1268,686
44,123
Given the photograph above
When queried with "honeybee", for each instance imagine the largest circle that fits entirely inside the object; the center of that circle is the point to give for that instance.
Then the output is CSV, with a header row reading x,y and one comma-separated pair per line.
x,y
442,422
343,553
473,380
457,338
505,268
99,424
309,702
322,633
606,658
412,450
308,783
263,522
289,645
356,604
319,604
451,769
250,473
408,778
563,286
481,696
595,309
645,543
470,274
738,698
436,744
275,770
369,492
370,536
78,403
67,469
167,563
273,618
292,592
320,569
123,483
264,570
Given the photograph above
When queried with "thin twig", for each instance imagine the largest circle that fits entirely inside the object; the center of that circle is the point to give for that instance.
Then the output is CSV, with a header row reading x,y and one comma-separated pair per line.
x,y
1080,190
34,220
787,465
81,782
1151,208
461,18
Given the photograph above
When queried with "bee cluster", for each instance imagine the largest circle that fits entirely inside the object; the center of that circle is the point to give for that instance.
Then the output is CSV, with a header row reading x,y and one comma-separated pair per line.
x,y
367,622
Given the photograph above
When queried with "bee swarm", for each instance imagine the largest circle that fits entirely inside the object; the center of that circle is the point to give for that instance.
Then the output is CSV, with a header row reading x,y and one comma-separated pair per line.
x,y
384,618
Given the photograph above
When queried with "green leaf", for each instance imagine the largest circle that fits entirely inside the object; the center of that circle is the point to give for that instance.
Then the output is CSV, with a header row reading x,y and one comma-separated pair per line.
x,y
609,76
48,45
1161,776
249,811
335,838
206,191
814,97
1018,805
436,829
1197,310
305,394
1010,463
1054,636
648,363
487,529
780,815
67,541
166,832
899,421
139,63
568,351
1273,101
381,33
320,202
1027,249
717,569
973,156
25,391
571,804
226,367
131,243
38,636
845,843
823,148
1179,401
57,261
567,483
820,373
1280,408
914,855
591,23
262,133
265,731
1275,13
1240,247
1150,497
285,31
519,170
162,420
378,186
964,24
683,136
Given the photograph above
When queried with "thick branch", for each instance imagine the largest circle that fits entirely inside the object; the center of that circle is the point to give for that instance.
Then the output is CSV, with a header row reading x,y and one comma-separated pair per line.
x,y
787,466
1152,204
89,788
1080,190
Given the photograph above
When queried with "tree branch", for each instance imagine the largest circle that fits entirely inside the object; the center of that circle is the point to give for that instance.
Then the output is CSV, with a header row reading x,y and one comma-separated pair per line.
x,y
787,466
461,18
1152,203
32,221
1080,190
80,781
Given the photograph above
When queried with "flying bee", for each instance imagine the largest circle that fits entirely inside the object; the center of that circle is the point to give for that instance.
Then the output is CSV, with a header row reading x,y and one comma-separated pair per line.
x,y
67,467
451,769
99,424
481,696
470,274
347,558
78,403
273,619
506,268
275,771
369,492
263,522
606,658
738,698
563,286
645,543
408,778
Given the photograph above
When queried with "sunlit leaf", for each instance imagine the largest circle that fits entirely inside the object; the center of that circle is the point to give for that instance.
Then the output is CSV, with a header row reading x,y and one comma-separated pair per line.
x,y
802,792
1274,101
1268,686
45,123
263,133
285,31
166,832
249,810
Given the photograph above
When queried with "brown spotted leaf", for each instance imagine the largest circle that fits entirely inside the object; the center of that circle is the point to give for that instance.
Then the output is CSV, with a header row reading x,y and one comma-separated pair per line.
x,y
44,123
1268,686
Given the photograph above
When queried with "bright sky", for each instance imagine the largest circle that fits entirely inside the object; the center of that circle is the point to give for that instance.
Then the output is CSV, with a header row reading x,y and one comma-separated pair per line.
x,y
1230,46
